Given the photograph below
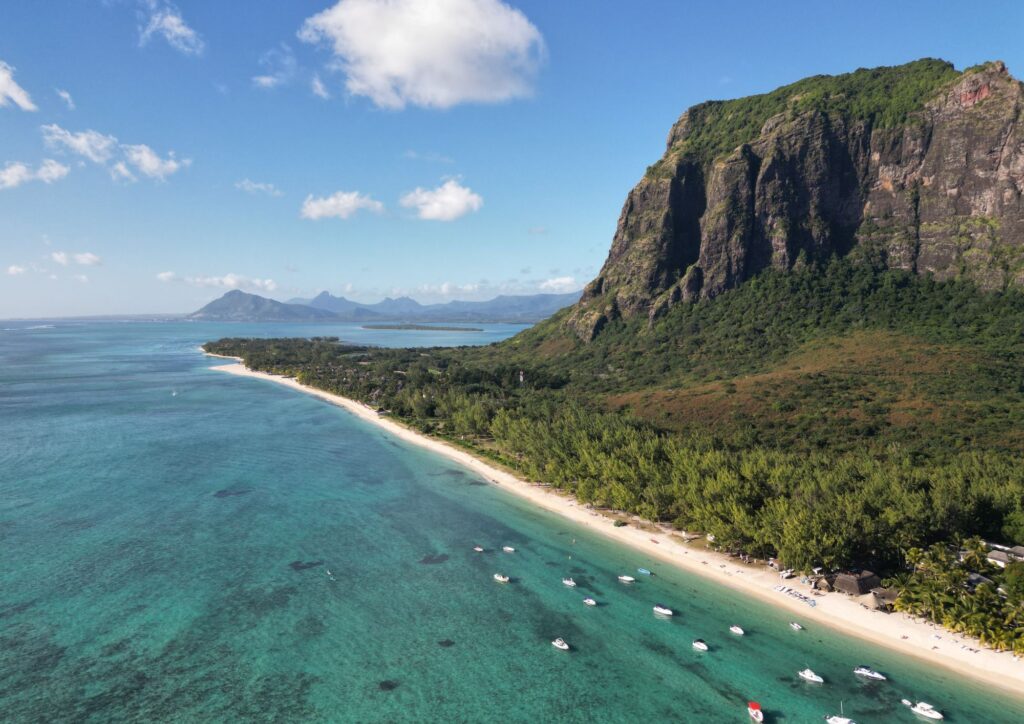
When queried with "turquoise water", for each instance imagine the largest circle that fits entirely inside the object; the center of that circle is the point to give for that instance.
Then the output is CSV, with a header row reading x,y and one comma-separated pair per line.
x,y
166,533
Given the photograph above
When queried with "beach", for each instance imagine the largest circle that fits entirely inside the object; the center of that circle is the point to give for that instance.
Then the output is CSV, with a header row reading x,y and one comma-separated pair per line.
x,y
852,616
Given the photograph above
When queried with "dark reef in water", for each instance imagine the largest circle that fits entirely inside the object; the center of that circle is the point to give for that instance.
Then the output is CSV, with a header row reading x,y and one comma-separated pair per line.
x,y
303,565
387,685
431,559
229,492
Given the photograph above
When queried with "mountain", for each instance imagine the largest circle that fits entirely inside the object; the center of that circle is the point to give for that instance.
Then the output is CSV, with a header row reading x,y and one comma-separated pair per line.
x,y
324,300
505,308
238,306
919,167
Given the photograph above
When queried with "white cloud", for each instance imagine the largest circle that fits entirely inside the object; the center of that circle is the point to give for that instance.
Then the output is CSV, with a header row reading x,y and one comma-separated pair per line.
x,y
119,172
253,187
95,146
16,173
50,171
447,202
167,276
148,163
340,205
431,53
87,258
318,88
232,281
161,18
66,97
61,257
14,270
101,148
11,92
559,285
280,66
82,278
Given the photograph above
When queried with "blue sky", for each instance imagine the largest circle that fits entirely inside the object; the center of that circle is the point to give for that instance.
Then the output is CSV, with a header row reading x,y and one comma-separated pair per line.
x,y
465,148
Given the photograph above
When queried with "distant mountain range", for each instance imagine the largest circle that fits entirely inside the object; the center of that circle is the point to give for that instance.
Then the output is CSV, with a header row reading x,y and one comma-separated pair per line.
x,y
239,306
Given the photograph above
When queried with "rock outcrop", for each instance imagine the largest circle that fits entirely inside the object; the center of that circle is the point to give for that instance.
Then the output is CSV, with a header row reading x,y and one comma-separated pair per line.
x,y
920,166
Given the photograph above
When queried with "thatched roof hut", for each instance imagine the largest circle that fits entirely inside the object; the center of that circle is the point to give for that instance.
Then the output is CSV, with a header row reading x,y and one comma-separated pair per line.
x,y
857,584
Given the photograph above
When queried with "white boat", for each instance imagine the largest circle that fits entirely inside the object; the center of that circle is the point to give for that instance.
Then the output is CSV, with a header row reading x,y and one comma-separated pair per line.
x,y
560,644
869,673
478,549
569,582
737,630
626,579
808,675
589,602
923,708
700,645
754,710
663,610
500,578
841,718
795,626
508,549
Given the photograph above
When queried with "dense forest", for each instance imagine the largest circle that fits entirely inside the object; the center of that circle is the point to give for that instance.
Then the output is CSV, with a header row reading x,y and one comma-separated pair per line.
x,y
844,416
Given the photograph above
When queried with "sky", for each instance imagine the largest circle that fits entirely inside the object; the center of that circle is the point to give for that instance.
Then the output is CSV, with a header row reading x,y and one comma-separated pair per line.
x,y
156,154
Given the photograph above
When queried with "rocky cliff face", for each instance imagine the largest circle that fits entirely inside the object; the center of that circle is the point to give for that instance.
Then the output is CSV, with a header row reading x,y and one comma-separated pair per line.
x,y
937,190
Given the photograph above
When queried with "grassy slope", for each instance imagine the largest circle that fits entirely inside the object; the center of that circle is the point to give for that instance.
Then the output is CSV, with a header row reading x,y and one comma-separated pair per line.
x,y
826,360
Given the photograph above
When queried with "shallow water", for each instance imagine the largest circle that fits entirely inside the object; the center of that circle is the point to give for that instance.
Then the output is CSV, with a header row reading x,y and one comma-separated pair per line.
x,y
167,533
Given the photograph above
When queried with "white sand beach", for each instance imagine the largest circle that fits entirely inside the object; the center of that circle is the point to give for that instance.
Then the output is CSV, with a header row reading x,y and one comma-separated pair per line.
x,y
838,611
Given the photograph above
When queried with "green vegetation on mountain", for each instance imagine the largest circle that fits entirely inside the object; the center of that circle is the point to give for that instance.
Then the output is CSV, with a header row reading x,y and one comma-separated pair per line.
x,y
886,97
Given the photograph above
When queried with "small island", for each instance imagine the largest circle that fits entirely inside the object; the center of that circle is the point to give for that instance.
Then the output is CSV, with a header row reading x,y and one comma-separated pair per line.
x,y
422,327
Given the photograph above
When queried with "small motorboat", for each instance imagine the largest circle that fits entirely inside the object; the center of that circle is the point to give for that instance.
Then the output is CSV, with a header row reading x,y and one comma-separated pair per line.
x,y
808,675
569,582
754,709
700,645
795,626
560,644
643,572
478,549
737,630
923,708
500,578
508,549
869,673
589,602
663,610
626,579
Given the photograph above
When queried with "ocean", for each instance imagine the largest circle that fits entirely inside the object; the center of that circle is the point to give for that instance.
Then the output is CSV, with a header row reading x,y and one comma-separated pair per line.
x,y
184,545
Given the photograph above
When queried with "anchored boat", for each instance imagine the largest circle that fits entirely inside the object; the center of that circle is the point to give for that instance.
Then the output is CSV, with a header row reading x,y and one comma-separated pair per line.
x,y
808,675
869,673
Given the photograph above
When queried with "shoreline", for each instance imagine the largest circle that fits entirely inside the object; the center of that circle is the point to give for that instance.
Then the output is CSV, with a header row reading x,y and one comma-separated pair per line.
x,y
835,610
